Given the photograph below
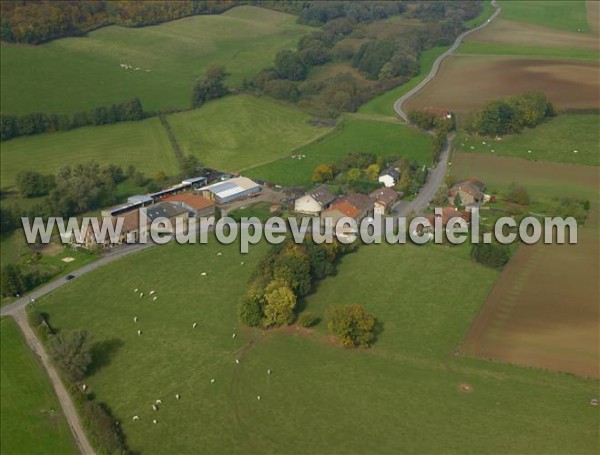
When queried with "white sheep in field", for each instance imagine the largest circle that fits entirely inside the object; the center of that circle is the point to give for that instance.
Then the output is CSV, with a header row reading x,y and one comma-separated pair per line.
x,y
212,381
203,274
155,421
154,408
135,319
139,333
194,325
135,418
135,290
152,292
258,397
177,396
141,295
219,254
237,361
154,298
158,401
242,263
233,336
269,371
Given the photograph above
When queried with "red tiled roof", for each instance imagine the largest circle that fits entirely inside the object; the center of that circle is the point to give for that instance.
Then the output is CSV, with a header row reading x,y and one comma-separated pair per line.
x,y
195,201
346,208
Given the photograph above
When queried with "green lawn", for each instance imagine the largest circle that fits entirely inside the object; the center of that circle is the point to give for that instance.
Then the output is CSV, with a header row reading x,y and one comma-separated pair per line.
x,y
143,144
236,132
556,140
72,74
384,104
31,419
472,47
352,135
390,399
565,15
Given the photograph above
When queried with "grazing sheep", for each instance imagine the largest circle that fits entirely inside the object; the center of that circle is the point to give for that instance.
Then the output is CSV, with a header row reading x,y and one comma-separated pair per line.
x,y
135,319
258,397
203,274
269,371
154,408
83,387
237,361
155,421
135,418
212,381
152,292
528,151
135,290
154,298
141,295
194,325
242,263
575,151
139,333
233,336
177,396
158,401
219,254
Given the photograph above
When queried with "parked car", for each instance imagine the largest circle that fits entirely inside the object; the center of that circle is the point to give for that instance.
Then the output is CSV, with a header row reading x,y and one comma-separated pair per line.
x,y
69,277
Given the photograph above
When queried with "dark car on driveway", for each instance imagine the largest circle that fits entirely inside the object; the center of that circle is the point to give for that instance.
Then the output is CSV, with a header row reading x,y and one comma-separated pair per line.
x,y
69,277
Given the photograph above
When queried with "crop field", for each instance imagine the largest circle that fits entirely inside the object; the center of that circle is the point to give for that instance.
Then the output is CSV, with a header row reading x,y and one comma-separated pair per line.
x,y
73,74
397,387
566,83
543,310
143,144
566,138
353,135
563,15
241,131
30,419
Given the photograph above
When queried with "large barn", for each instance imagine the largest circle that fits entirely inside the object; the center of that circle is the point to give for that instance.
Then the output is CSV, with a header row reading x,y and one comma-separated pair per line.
x,y
230,190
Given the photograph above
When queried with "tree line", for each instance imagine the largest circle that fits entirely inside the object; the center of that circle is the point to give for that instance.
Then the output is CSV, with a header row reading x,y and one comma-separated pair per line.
x,y
35,22
12,126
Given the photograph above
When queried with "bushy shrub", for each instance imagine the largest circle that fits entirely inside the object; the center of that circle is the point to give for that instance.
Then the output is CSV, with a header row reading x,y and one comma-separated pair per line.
x,y
308,319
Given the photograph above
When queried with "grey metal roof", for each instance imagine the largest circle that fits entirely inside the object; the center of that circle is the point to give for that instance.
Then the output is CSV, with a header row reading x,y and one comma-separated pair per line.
x,y
322,195
164,210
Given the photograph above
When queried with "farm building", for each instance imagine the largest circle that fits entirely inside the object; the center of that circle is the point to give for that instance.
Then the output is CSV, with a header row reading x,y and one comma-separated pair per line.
x,y
389,177
470,192
314,202
384,199
171,190
230,190
196,182
196,205
166,211
356,206
447,214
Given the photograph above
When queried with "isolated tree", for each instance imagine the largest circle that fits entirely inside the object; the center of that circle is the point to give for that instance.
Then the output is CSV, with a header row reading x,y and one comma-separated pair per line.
x,y
322,173
210,87
280,302
72,353
352,324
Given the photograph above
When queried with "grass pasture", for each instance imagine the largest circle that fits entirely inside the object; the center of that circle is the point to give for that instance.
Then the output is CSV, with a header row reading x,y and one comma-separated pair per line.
x,y
240,131
556,140
563,15
566,83
352,135
143,144
316,389
73,74
31,421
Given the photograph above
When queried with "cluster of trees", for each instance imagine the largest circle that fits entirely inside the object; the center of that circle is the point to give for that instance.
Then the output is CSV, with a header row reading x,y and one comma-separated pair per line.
x,y
34,22
73,354
17,279
37,122
286,274
319,13
428,120
352,324
510,115
210,87
518,194
494,255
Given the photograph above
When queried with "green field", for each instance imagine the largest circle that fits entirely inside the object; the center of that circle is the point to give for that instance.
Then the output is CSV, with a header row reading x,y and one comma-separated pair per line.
x,y
352,135
143,144
389,399
384,104
72,74
565,15
236,132
556,140
472,47
31,419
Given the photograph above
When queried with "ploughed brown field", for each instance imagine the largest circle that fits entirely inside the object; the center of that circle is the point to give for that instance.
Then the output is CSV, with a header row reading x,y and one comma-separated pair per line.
x,y
467,82
544,309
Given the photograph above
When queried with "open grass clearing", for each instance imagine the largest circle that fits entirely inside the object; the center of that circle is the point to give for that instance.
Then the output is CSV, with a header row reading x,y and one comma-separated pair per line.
x,y
563,15
352,135
143,144
31,419
236,132
82,73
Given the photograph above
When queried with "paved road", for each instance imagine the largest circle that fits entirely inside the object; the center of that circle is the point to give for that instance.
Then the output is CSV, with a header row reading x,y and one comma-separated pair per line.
x,y
436,174
436,65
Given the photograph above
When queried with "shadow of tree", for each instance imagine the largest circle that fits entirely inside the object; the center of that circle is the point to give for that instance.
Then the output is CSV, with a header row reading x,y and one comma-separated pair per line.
x,y
102,353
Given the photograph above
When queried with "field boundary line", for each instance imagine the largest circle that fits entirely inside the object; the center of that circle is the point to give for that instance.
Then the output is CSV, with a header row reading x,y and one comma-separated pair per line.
x,y
172,138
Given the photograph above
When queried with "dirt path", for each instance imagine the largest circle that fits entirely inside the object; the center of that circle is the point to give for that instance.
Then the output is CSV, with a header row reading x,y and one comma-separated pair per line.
x,y
64,398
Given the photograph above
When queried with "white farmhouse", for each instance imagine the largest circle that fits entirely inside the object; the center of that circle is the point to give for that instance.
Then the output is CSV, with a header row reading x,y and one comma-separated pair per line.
x,y
314,202
389,177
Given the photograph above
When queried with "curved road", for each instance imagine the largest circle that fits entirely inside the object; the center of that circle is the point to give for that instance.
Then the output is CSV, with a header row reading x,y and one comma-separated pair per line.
x,y
436,174
17,308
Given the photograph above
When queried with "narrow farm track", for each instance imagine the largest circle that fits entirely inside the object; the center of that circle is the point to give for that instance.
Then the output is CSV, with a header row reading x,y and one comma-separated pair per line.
x,y
436,174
